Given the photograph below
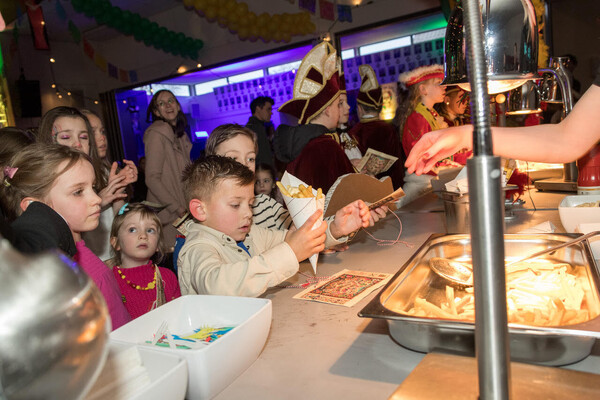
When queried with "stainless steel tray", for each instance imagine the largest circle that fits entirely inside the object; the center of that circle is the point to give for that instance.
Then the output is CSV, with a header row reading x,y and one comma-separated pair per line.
x,y
543,345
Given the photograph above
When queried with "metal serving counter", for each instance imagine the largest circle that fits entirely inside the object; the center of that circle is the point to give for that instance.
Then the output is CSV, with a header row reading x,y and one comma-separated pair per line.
x,y
322,351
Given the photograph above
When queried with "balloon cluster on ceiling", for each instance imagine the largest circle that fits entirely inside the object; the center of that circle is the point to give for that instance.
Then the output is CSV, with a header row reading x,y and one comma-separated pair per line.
x,y
247,25
142,29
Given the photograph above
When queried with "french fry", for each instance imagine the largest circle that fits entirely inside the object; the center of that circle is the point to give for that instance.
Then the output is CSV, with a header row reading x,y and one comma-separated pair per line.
x,y
319,194
433,309
450,299
283,190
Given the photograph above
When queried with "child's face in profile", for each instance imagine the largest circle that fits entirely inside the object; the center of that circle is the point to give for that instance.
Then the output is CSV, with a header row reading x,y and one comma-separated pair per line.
x,y
264,183
72,132
137,240
241,149
74,198
229,209
434,91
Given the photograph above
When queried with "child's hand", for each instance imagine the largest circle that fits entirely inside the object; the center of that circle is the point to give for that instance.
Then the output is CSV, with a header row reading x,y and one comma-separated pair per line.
x,y
114,189
350,218
305,241
377,214
129,171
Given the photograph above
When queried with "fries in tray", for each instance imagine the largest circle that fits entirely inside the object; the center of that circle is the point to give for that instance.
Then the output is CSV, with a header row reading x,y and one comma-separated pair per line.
x,y
540,295
302,201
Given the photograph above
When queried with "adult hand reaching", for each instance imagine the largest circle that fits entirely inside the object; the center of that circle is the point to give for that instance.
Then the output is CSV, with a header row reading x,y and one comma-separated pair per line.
x,y
437,145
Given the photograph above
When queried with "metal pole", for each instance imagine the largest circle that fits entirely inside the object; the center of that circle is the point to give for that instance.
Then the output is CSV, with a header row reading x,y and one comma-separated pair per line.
x,y
487,225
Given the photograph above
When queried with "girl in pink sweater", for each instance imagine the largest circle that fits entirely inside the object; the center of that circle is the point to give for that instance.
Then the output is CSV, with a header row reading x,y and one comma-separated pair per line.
x,y
136,239
62,178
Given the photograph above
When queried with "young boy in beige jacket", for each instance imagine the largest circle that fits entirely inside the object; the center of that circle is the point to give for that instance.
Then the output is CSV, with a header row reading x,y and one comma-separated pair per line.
x,y
224,253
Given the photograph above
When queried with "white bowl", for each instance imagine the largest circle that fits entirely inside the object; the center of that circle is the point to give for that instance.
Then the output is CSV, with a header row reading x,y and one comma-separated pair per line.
x,y
571,215
213,367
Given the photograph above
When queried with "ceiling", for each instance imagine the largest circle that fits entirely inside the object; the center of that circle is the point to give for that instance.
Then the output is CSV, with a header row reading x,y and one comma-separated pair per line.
x,y
58,30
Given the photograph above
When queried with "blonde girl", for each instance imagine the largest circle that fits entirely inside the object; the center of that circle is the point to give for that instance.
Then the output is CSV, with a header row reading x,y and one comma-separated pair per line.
x,y
136,239
63,179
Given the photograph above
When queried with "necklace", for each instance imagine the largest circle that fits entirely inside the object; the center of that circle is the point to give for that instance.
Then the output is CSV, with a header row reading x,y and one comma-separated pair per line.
x,y
151,285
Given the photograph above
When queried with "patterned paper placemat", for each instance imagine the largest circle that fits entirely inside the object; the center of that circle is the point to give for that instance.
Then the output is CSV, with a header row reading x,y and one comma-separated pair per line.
x,y
346,288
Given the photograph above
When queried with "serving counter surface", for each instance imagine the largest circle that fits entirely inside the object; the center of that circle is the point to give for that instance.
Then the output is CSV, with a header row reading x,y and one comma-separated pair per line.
x,y
318,351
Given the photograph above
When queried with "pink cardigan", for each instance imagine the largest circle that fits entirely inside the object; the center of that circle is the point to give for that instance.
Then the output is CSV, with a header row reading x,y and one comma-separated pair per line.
x,y
104,279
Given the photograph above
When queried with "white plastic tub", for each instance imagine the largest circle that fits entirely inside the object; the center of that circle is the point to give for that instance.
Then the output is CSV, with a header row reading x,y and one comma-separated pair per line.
x,y
213,367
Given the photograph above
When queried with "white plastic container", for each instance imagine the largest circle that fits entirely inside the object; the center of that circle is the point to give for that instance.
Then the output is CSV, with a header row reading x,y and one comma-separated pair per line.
x,y
571,215
213,367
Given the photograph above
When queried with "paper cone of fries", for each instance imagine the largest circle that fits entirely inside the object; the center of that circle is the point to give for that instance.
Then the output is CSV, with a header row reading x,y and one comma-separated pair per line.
x,y
302,201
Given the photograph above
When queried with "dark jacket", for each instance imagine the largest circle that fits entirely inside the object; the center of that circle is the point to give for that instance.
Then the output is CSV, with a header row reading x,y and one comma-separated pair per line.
x,y
38,229
290,140
265,154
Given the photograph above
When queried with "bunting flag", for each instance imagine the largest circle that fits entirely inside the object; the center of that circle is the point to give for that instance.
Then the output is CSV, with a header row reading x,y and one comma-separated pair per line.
x,y
326,10
344,13
308,5
109,68
38,27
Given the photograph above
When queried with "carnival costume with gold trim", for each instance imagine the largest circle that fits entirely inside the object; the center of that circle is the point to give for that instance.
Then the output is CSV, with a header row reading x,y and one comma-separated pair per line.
x,y
422,119
374,133
313,153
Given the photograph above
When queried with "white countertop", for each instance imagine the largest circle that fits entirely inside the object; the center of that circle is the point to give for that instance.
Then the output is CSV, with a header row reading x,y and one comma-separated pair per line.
x,y
322,351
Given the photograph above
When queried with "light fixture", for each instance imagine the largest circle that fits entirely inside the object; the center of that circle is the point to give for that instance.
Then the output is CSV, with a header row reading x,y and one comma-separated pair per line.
x,y
52,60
198,65
68,93
524,100
510,41
95,101
181,69
53,86
501,39
60,96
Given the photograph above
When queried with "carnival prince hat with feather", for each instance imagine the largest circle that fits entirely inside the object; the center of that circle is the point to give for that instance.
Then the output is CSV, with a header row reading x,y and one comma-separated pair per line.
x,y
370,93
317,84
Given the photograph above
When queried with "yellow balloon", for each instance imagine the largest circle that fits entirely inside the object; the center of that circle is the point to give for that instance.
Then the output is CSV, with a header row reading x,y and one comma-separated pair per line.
x,y
210,13
199,4
243,33
241,8
222,11
263,19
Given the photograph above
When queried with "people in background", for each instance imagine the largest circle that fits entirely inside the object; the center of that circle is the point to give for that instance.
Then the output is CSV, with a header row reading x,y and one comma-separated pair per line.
x,y
417,117
370,131
140,190
67,126
347,140
224,253
167,150
12,140
262,109
136,240
553,143
313,150
98,240
61,178
452,109
266,182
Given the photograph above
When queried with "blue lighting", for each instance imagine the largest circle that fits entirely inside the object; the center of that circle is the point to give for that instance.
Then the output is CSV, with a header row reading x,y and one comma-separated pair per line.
x,y
201,134
259,73
383,46
346,54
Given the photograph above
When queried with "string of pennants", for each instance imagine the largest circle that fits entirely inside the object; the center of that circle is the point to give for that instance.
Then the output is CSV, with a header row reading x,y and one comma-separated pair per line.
x,y
112,70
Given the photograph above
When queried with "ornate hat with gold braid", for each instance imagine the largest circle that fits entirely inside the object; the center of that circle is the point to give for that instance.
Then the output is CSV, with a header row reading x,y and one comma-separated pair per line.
x,y
370,93
317,84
